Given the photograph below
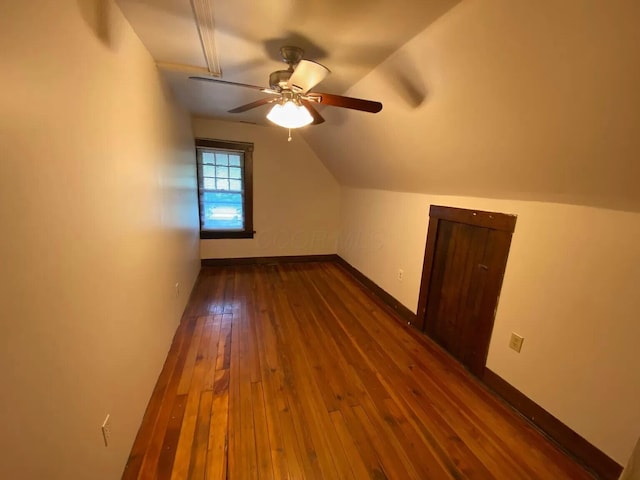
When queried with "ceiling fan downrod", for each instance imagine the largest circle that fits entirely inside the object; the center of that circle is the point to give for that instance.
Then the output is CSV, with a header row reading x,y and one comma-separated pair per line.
x,y
291,55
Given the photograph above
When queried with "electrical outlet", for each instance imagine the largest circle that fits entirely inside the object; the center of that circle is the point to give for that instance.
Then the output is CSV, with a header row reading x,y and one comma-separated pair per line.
x,y
106,430
177,289
516,342
400,275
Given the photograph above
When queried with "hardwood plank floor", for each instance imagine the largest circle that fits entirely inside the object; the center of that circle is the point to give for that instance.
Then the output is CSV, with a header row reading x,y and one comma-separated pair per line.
x,y
295,371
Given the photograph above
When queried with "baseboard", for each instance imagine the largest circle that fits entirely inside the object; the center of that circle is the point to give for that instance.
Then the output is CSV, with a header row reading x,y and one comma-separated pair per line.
x,y
590,456
381,294
225,262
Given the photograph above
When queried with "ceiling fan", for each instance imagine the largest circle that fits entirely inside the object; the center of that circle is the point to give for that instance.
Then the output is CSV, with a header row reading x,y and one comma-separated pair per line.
x,y
290,91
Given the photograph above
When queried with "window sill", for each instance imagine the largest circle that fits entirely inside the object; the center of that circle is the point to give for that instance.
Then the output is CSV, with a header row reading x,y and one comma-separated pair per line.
x,y
208,235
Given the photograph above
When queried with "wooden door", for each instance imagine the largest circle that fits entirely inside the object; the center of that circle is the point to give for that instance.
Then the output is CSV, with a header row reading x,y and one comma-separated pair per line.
x,y
464,265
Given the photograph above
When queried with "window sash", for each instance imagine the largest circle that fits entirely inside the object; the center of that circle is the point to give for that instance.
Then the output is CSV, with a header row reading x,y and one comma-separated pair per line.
x,y
230,214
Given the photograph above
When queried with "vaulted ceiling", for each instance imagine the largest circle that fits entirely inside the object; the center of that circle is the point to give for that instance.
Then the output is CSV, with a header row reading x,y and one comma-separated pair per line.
x,y
492,98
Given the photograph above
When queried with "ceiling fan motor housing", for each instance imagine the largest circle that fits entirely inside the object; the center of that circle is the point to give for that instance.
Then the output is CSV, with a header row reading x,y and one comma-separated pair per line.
x,y
279,79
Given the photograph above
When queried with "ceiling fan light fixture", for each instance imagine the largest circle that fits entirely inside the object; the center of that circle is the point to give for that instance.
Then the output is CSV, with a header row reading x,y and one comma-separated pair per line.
x,y
290,115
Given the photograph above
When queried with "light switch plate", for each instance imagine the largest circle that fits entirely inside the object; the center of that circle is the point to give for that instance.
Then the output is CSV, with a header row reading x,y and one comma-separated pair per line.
x,y
516,342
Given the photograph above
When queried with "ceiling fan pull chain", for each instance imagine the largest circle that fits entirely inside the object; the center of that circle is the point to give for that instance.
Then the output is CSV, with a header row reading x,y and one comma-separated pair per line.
x,y
289,139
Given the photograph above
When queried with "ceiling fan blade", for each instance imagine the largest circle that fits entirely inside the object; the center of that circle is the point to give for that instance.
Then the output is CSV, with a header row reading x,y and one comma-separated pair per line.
x,y
235,84
249,106
317,118
345,102
306,76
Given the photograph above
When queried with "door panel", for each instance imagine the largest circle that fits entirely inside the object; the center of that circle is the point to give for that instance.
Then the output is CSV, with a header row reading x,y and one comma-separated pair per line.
x,y
457,286
460,288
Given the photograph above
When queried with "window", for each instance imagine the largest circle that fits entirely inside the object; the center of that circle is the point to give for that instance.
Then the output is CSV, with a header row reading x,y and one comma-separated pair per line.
x,y
225,188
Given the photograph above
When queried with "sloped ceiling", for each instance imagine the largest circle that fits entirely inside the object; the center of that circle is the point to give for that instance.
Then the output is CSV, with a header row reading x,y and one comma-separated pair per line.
x,y
491,98
502,99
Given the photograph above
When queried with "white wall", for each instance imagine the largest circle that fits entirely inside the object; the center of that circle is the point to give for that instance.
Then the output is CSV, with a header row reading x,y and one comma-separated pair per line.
x,y
295,198
99,221
570,289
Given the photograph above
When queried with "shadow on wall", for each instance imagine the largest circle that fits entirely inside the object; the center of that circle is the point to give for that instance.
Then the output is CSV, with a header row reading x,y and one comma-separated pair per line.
x,y
632,470
405,79
102,18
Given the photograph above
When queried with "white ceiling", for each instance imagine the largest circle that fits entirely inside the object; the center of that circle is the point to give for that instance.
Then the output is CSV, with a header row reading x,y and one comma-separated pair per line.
x,y
350,37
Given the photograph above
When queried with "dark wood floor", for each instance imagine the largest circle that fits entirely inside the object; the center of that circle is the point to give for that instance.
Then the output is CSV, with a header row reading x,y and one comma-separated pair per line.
x,y
294,371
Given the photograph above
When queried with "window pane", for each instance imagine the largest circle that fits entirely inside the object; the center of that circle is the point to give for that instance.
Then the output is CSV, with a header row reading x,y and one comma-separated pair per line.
x,y
225,213
222,172
222,198
235,185
222,184
209,183
208,157
234,160
208,171
222,159
235,172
